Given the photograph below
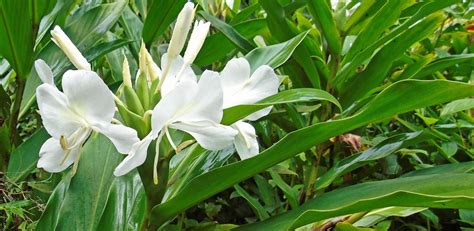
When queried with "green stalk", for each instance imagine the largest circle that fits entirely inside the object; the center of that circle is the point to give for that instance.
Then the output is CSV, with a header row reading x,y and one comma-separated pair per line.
x,y
15,112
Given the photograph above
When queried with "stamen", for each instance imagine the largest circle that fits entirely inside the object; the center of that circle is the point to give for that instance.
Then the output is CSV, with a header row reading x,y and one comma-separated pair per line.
x,y
63,142
170,139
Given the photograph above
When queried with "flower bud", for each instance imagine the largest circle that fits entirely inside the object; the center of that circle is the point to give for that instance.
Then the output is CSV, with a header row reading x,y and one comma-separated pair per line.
x,y
146,64
196,41
126,78
181,29
71,51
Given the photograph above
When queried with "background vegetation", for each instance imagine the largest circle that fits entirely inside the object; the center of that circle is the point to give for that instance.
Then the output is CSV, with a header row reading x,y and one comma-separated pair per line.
x,y
372,130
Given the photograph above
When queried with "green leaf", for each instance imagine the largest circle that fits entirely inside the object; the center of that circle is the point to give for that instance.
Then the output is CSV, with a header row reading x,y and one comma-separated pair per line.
x,y
378,68
400,97
348,70
441,64
23,159
466,167
457,106
231,33
217,46
378,215
85,200
161,14
16,35
381,150
381,21
274,55
49,218
125,208
322,14
444,191
238,112
259,209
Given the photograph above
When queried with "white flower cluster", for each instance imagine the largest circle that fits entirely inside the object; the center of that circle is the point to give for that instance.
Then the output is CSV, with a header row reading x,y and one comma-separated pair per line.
x,y
195,107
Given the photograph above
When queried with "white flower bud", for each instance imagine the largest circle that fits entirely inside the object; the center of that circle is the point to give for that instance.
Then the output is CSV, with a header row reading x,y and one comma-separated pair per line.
x,y
146,64
196,41
126,77
71,51
181,29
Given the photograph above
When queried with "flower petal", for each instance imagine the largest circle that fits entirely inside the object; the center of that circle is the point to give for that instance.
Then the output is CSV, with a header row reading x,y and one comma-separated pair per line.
x,y
208,134
234,75
44,72
245,141
173,105
172,78
89,96
207,104
136,157
121,136
53,157
57,117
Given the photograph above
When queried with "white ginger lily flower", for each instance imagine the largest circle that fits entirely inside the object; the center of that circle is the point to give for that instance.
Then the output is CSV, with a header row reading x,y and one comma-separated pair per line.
x,y
85,105
195,108
68,47
240,87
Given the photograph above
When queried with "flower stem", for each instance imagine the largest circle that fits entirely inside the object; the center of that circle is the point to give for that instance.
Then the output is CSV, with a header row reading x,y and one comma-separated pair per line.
x,y
15,112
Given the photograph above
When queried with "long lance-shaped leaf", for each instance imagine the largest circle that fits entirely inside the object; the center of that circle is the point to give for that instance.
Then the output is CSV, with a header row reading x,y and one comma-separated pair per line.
x,y
236,113
16,35
242,43
160,16
401,97
441,64
379,66
348,70
321,12
442,191
384,18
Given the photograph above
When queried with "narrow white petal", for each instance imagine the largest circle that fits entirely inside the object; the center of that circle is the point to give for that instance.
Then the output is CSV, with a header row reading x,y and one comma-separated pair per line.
x,y
207,104
68,47
55,113
44,72
245,141
208,134
173,105
89,96
121,136
55,159
135,158
198,36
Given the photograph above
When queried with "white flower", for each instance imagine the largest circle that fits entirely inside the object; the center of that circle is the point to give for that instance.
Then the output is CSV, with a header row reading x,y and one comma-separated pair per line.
x,y
71,51
195,108
240,87
86,105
